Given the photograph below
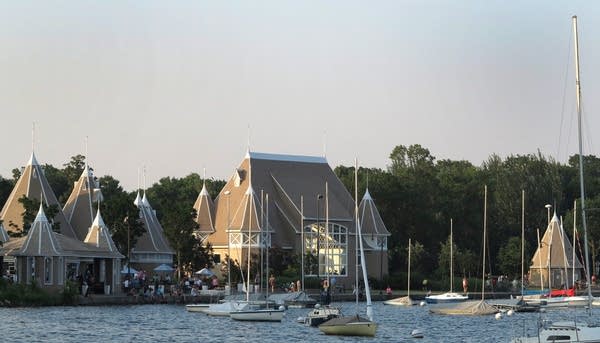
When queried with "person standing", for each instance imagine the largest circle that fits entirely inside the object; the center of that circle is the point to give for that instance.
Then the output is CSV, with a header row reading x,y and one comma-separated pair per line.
x,y
465,284
272,283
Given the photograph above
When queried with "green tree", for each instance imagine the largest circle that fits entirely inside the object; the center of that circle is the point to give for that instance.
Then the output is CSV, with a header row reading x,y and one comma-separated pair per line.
x,y
509,258
74,168
120,214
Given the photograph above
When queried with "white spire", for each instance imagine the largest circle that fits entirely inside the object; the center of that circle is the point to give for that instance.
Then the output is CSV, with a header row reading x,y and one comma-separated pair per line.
x,y
204,192
138,200
41,216
367,195
32,160
98,220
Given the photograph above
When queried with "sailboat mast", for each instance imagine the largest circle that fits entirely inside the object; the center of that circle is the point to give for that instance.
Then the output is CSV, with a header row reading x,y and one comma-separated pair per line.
x,y
522,239
408,286
484,229
583,220
327,235
574,238
451,261
251,195
356,234
302,237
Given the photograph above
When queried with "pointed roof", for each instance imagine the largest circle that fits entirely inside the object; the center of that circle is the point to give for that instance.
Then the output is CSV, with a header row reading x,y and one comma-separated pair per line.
x,y
3,234
153,239
205,210
246,216
370,220
99,235
42,241
138,199
556,250
33,184
79,207
286,179
40,238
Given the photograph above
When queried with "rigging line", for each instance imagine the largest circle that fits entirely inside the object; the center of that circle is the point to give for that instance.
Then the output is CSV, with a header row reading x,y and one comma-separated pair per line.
x,y
588,136
564,97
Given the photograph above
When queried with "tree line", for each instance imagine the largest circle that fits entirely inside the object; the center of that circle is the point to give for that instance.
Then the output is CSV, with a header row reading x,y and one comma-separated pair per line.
x,y
416,195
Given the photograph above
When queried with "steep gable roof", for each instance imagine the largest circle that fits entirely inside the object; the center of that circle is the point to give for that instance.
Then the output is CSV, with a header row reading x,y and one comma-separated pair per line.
x,y
78,209
34,185
286,179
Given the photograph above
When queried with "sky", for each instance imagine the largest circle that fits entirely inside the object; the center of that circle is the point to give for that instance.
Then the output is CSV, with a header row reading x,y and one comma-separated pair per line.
x,y
182,86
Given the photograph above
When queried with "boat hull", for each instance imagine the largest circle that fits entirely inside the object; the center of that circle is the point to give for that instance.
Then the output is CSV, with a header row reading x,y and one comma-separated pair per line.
x,y
258,315
446,298
349,326
350,329
196,307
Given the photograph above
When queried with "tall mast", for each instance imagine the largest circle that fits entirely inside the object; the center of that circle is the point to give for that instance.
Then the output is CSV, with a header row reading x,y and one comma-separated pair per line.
x,y
583,221
451,260
302,238
484,229
408,286
574,238
522,239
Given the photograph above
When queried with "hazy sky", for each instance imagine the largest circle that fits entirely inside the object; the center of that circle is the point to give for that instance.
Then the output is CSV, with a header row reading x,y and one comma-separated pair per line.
x,y
174,85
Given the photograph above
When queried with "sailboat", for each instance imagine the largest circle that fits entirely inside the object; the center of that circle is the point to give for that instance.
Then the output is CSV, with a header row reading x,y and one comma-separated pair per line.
x,y
471,308
403,301
320,314
249,313
448,297
354,325
572,331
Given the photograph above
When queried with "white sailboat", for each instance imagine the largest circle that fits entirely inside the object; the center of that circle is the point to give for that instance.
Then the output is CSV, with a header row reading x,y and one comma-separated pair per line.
x,y
448,297
354,325
249,313
322,313
403,301
572,331
472,308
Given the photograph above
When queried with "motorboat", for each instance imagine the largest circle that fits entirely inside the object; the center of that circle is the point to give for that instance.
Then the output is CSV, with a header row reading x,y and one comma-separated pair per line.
x,y
448,297
320,314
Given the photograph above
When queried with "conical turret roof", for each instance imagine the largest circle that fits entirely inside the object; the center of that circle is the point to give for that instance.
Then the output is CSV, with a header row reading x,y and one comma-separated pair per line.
x,y
40,240
370,219
556,250
205,209
153,239
79,207
33,184
246,216
99,236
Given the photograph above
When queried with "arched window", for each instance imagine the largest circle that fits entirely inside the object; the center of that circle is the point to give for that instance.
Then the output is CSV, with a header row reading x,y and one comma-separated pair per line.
x,y
326,249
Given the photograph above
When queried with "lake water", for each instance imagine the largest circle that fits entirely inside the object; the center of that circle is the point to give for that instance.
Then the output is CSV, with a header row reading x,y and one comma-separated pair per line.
x,y
172,323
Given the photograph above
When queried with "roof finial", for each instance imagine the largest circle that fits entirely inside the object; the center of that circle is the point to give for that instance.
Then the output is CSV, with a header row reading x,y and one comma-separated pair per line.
x,y
248,139
86,151
204,177
32,137
324,143
144,179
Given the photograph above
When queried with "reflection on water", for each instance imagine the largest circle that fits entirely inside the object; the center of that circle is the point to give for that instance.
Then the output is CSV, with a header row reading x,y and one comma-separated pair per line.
x,y
161,323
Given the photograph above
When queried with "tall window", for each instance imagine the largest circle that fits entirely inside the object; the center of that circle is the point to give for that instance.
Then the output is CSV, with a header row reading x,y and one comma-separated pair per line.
x,y
327,249
47,270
